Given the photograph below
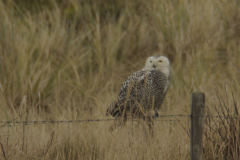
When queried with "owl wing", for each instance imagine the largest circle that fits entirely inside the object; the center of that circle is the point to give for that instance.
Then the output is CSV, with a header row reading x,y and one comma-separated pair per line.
x,y
129,93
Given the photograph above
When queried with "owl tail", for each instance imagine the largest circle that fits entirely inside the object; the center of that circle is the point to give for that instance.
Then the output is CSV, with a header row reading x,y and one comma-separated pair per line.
x,y
119,122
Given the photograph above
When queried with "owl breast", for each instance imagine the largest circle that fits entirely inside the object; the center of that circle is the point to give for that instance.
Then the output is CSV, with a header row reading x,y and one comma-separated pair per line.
x,y
154,90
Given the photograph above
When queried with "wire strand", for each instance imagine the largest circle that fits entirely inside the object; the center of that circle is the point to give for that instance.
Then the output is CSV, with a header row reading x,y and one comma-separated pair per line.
x,y
112,119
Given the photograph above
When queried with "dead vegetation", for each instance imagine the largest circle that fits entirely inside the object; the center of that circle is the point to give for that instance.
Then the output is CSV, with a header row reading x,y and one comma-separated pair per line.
x,y
66,60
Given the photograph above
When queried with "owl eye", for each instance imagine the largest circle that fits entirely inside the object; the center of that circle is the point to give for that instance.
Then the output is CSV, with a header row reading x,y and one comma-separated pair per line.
x,y
160,61
150,61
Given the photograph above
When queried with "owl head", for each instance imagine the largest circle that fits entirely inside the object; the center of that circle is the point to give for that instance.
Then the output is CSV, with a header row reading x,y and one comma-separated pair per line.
x,y
158,62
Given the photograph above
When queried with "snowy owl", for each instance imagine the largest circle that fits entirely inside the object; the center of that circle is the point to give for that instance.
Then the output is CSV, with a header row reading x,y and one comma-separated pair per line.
x,y
143,92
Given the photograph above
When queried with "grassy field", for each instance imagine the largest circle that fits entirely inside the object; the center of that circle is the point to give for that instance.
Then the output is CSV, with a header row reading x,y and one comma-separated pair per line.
x,y
66,60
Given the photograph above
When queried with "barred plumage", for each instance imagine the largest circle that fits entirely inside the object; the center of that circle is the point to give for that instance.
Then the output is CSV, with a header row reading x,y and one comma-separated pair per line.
x,y
144,91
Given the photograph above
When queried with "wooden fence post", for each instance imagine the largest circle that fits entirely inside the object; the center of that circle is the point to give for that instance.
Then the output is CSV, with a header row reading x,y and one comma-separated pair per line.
x,y
197,122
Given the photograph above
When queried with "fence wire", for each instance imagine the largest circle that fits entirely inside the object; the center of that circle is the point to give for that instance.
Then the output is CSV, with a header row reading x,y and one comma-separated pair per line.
x,y
112,119
92,120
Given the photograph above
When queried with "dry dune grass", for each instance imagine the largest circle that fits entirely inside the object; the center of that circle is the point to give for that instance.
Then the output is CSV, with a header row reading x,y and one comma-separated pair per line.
x,y
66,60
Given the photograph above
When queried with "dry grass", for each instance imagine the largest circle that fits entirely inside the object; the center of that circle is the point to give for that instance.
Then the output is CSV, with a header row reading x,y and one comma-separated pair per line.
x,y
66,60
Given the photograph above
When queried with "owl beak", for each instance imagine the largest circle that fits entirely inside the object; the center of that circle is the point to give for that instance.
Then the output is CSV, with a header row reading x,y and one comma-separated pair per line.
x,y
154,66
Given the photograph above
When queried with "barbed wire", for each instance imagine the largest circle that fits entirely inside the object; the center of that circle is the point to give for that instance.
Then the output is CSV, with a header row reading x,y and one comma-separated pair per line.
x,y
54,122
91,120
112,119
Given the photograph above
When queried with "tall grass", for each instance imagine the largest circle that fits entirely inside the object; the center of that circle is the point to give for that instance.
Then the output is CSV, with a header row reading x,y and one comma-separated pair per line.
x,y
66,60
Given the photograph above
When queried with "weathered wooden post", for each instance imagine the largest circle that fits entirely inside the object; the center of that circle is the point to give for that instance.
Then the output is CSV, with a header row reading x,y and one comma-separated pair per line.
x,y
197,122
